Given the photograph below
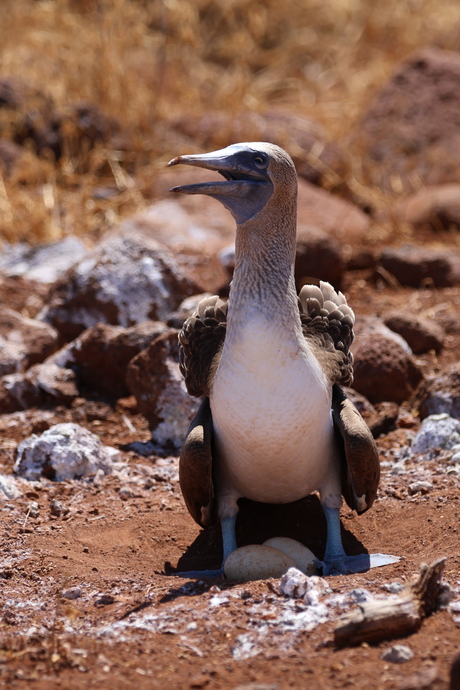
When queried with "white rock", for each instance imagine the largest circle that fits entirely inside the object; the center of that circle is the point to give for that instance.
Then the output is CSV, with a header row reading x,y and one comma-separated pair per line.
x,y
71,593
9,487
398,654
420,486
256,562
44,263
436,431
64,451
303,558
294,584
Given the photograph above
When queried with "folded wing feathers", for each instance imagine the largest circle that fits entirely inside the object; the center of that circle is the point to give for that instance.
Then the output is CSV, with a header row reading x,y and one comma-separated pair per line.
x,y
328,320
200,340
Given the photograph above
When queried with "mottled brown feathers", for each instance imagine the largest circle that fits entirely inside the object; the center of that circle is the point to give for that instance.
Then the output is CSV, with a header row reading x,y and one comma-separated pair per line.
x,y
328,321
195,467
360,470
201,340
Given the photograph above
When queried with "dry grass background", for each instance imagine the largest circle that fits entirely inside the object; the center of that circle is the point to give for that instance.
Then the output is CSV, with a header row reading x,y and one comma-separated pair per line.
x,y
145,62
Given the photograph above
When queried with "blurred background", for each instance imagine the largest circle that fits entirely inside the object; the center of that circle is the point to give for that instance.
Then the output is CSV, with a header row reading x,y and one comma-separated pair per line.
x,y
97,95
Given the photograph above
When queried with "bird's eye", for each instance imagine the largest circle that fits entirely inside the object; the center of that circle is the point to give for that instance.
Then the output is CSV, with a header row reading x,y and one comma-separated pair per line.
x,y
261,161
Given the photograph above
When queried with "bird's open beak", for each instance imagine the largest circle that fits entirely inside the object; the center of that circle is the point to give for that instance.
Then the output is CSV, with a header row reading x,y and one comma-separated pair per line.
x,y
226,162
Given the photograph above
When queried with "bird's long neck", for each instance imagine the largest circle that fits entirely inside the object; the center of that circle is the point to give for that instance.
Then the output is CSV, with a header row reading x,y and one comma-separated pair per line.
x,y
263,281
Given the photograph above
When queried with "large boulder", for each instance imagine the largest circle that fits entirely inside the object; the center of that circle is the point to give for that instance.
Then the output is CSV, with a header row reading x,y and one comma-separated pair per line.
x,y
101,354
155,380
419,266
47,383
411,131
332,214
384,369
128,279
431,208
43,263
317,256
23,341
421,334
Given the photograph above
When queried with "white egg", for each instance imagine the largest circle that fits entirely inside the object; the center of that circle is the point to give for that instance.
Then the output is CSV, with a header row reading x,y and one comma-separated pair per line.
x,y
303,558
256,562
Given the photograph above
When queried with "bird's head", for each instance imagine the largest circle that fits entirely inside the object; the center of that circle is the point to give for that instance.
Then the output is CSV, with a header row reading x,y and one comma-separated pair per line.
x,y
254,173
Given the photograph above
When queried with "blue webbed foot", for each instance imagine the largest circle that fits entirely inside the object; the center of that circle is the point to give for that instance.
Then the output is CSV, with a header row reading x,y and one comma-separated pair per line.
x,y
346,565
195,574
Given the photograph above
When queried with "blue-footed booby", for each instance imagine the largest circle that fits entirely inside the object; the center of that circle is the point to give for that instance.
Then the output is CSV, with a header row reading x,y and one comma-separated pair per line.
x,y
274,424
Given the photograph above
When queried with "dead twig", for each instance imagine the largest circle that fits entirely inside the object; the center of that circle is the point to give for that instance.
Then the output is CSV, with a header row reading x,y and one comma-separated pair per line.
x,y
395,616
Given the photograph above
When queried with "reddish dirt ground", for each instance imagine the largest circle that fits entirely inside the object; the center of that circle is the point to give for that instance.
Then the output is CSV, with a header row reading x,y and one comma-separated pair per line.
x,y
135,624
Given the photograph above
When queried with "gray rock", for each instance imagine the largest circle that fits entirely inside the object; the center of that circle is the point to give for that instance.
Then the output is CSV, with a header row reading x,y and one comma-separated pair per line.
x,y
422,335
436,431
398,654
71,593
43,263
64,451
441,394
128,279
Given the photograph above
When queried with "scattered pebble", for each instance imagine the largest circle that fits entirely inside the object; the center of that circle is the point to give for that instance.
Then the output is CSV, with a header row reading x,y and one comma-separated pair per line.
x,y
9,487
398,654
33,509
58,508
393,587
104,600
71,593
420,487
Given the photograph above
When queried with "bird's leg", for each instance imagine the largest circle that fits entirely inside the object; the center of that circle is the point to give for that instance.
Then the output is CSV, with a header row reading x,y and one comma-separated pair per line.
x,y
336,562
229,544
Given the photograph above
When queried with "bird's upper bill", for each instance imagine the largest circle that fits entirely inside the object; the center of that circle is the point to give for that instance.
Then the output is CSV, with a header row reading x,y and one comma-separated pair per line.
x,y
247,185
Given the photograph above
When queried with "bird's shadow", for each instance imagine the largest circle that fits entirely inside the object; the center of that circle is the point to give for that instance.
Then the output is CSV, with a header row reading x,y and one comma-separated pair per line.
x,y
256,522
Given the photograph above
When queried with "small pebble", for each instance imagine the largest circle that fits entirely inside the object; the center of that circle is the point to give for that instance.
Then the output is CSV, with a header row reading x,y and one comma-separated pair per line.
x,y
393,587
398,654
33,509
58,508
256,562
125,493
420,486
293,584
71,593
104,600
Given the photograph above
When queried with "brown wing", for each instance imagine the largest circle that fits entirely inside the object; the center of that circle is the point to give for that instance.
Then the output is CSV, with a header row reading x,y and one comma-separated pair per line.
x,y
195,467
360,459
201,340
327,323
